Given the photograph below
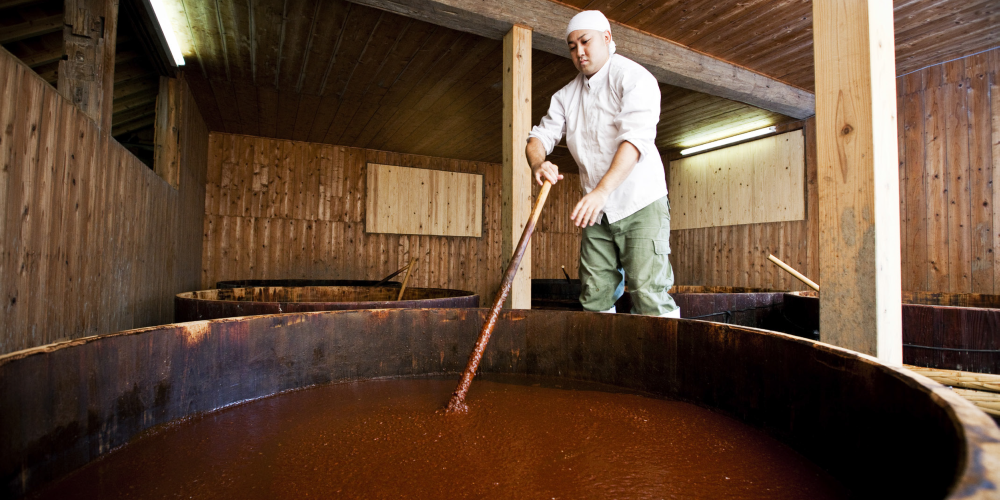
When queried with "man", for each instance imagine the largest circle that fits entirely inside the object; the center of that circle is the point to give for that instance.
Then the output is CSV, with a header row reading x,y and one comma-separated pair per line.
x,y
608,114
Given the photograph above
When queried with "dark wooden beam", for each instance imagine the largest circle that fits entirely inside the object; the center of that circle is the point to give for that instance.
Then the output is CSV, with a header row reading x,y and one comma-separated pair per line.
x,y
86,76
136,124
671,63
6,4
30,29
44,57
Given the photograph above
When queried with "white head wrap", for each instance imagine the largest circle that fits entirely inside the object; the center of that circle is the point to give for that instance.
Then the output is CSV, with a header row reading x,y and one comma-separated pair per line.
x,y
591,20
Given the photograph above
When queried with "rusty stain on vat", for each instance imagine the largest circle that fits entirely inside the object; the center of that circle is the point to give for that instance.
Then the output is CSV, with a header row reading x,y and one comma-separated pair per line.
x,y
195,331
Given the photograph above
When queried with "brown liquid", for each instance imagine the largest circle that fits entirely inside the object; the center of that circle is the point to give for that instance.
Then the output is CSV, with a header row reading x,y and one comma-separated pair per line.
x,y
388,439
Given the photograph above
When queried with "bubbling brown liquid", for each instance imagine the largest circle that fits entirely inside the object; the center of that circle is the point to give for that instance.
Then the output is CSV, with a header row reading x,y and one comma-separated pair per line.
x,y
389,439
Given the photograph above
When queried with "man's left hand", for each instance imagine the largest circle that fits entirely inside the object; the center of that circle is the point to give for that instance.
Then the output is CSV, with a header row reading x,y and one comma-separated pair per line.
x,y
588,209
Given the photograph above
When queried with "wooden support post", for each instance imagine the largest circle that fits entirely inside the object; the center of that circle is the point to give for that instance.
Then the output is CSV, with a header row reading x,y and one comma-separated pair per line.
x,y
858,177
166,132
86,75
516,205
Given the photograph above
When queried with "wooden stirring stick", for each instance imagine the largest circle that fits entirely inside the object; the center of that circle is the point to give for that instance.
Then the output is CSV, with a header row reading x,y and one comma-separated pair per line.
x,y
457,402
793,272
391,276
409,269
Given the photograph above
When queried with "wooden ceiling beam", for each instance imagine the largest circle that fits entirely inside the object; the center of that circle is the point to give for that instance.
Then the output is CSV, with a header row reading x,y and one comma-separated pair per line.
x,y
671,63
6,4
30,29
41,58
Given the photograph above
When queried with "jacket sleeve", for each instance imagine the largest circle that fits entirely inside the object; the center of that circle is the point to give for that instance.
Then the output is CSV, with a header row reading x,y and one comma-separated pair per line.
x,y
552,128
640,112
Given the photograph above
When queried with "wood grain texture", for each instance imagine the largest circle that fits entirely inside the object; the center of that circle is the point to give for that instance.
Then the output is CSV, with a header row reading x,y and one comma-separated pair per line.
x,y
859,179
86,74
403,200
261,235
167,131
516,202
776,37
671,63
754,182
92,240
948,148
737,255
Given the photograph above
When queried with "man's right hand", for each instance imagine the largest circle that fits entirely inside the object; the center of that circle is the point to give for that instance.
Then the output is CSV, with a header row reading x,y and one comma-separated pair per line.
x,y
547,170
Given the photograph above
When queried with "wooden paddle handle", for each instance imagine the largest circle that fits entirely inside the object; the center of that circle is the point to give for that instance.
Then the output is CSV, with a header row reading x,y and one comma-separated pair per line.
x,y
793,272
409,269
457,402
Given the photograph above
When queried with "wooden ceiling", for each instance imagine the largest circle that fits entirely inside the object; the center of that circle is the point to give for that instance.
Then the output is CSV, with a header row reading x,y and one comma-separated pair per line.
x,y
774,37
341,73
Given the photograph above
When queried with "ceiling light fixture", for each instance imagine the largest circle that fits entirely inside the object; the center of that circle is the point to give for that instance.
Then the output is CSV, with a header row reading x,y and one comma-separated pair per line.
x,y
728,140
163,18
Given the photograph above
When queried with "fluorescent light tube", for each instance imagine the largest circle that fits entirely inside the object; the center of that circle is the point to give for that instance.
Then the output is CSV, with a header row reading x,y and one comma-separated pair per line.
x,y
728,140
163,17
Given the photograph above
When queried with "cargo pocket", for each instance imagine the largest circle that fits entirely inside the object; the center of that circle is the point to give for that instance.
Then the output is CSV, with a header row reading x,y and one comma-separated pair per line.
x,y
661,247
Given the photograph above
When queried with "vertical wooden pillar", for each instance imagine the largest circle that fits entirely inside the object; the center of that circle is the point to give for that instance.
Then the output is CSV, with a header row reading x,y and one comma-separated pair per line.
x,y
858,177
86,73
516,206
167,132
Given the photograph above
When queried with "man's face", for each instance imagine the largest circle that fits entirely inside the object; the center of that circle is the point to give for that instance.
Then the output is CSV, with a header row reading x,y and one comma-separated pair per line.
x,y
589,50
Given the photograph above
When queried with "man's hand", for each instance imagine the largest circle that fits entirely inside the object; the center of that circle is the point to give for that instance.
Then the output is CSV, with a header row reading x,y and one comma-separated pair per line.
x,y
547,170
589,208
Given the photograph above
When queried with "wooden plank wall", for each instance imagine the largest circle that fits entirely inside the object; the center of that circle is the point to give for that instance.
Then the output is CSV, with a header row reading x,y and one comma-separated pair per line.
x,y
308,219
757,181
949,162
287,209
737,255
92,240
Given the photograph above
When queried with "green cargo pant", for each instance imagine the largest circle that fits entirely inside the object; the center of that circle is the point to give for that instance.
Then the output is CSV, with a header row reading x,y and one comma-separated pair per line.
x,y
639,247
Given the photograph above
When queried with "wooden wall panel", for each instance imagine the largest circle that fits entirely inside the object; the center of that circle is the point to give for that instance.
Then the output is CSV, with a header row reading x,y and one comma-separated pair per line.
x,y
736,255
403,200
948,151
286,209
949,160
307,220
753,182
91,240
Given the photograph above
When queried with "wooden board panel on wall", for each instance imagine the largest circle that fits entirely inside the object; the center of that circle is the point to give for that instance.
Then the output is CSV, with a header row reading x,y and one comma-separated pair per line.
x,y
736,255
403,200
754,182
91,240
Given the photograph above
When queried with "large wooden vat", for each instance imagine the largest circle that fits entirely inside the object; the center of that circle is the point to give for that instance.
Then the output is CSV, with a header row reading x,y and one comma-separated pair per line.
x,y
754,307
954,331
301,282
883,432
256,301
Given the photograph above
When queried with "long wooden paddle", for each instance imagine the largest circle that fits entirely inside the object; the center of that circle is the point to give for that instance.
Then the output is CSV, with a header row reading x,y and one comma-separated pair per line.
x,y
457,402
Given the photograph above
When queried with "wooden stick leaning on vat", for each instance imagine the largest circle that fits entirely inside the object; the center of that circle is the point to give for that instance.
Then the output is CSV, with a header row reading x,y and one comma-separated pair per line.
x,y
457,402
793,272
393,275
409,269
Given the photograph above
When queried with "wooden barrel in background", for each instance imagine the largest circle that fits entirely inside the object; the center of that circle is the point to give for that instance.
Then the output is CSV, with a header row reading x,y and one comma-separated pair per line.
x,y
952,331
301,282
256,301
